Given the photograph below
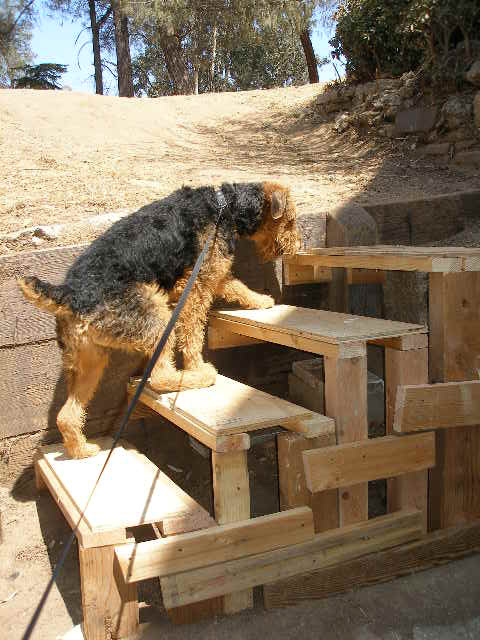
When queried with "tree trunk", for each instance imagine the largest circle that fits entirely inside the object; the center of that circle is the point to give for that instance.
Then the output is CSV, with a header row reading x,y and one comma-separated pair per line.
x,y
177,69
124,61
213,59
309,56
97,60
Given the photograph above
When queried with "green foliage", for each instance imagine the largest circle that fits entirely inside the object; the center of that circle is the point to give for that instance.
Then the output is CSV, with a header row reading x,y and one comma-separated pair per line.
x,y
16,23
402,35
40,76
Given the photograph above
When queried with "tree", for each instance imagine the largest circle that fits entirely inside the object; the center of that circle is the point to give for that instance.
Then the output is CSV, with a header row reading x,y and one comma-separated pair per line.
x,y
16,24
200,41
40,76
122,44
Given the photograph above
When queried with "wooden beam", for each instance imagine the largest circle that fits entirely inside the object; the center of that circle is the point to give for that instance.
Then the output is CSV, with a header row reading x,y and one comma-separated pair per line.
x,y
404,343
231,501
454,309
429,552
110,607
189,551
409,491
296,274
317,425
346,402
326,549
348,464
221,338
437,406
291,479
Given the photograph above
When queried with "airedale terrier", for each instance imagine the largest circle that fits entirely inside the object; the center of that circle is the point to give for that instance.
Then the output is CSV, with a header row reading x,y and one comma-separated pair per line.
x,y
119,293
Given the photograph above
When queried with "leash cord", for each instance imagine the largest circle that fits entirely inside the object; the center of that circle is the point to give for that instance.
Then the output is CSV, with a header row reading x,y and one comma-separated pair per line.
x,y
156,354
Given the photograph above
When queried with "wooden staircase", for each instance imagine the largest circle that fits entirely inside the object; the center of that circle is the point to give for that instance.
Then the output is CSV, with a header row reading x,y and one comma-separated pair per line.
x,y
207,565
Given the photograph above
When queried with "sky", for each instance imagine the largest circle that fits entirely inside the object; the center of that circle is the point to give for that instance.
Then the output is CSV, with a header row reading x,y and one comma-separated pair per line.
x,y
54,41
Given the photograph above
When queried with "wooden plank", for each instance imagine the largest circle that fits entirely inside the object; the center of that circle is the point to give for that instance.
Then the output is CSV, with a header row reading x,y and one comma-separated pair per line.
x,y
229,407
231,498
366,276
346,403
317,425
404,343
409,491
220,338
33,389
110,607
236,442
454,309
424,264
291,479
429,552
314,324
295,274
189,551
347,464
85,535
392,250
437,406
326,549
21,322
312,345
143,495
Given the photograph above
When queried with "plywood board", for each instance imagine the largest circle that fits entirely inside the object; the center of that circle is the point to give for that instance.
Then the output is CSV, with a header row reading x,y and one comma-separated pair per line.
x,y
347,464
437,406
218,544
322,326
229,408
131,491
391,258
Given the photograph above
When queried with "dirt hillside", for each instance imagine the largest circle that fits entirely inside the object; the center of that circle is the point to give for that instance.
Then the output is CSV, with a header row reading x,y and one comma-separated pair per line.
x,y
71,156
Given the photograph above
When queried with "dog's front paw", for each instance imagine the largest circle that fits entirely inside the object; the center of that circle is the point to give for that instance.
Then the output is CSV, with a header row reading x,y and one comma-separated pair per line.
x,y
264,302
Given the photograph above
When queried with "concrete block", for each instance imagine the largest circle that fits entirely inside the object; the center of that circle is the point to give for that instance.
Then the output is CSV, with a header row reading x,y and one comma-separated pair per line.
x,y
420,120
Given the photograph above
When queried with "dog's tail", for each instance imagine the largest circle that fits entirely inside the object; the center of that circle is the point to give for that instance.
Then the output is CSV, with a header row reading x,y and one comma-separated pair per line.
x,y
44,295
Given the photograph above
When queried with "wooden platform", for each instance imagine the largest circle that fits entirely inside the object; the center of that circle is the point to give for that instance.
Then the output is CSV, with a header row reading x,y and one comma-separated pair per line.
x,y
132,491
326,333
221,416
391,258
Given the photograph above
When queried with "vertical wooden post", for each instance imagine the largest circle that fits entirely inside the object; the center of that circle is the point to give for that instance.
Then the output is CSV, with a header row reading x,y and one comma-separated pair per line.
x,y
110,607
338,293
346,402
231,496
405,367
291,478
454,316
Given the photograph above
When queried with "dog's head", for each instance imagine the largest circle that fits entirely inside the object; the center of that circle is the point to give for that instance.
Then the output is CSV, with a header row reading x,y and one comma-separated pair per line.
x,y
278,234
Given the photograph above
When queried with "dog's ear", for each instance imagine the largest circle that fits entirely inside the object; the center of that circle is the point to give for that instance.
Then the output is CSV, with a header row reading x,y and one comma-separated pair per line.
x,y
279,204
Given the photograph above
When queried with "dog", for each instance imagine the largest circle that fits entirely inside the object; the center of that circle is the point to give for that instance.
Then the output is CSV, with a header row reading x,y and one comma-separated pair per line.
x,y
119,293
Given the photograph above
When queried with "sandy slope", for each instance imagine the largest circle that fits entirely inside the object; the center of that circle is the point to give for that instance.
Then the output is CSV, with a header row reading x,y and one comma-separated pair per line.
x,y
69,156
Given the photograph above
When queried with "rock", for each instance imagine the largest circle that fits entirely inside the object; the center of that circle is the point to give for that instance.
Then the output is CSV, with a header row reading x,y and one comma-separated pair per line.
x,y
420,120
473,74
48,232
457,135
456,112
462,145
468,158
476,109
37,242
342,123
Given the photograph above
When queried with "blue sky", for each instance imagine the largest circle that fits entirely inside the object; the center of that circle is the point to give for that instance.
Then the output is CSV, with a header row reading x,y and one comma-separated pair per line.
x,y
54,41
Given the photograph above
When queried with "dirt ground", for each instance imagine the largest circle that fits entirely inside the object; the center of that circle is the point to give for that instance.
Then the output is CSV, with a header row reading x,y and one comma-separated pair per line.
x,y
71,156
67,157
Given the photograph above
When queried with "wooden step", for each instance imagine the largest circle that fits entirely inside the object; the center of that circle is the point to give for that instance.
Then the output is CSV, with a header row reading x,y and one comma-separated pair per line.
x,y
387,257
326,333
221,416
132,491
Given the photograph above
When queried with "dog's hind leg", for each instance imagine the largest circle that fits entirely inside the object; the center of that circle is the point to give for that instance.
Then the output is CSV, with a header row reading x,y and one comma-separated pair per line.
x,y
84,366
